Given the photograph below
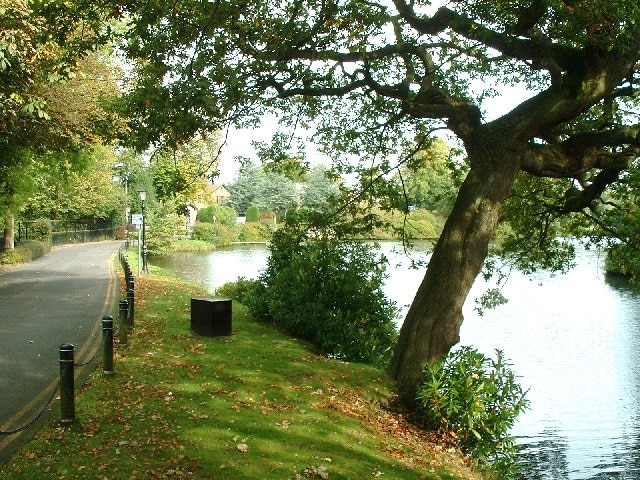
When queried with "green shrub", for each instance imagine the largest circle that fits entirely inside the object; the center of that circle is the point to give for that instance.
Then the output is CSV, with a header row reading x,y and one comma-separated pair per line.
x,y
328,292
475,400
416,225
161,229
217,214
215,233
241,290
255,232
623,259
40,230
26,251
253,214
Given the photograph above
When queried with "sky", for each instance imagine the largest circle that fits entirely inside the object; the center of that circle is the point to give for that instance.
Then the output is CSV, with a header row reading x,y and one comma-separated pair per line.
x,y
239,145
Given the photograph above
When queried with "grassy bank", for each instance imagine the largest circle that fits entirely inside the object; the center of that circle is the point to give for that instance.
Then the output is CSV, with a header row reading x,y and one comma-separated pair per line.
x,y
255,405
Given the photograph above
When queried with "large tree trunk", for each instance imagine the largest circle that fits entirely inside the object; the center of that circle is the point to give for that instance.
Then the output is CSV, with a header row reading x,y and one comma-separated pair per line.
x,y
9,231
433,322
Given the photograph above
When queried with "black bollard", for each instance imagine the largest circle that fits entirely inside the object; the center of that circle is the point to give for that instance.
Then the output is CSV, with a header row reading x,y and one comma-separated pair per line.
x,y
67,400
107,339
124,323
131,300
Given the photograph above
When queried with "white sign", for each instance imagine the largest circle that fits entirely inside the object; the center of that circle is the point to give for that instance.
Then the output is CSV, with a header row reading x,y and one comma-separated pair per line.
x,y
136,219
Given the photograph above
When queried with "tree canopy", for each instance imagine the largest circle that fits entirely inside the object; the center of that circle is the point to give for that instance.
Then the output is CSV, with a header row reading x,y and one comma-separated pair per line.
x,y
55,91
73,186
41,45
183,174
377,79
260,186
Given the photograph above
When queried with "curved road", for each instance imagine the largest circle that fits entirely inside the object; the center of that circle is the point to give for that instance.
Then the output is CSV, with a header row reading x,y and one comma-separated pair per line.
x,y
59,298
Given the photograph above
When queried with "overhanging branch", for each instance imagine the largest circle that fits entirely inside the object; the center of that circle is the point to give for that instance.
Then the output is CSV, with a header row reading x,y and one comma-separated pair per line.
x,y
577,200
538,50
582,152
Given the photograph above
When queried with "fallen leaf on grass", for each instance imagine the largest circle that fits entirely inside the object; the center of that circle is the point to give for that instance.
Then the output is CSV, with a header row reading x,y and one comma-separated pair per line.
x,y
284,425
242,447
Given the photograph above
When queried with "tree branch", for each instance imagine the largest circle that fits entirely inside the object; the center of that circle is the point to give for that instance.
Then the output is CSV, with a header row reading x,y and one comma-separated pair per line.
x,y
529,16
284,92
582,152
577,200
537,49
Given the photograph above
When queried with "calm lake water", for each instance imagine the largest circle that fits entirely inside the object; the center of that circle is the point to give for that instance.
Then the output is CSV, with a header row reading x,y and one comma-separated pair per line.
x,y
574,341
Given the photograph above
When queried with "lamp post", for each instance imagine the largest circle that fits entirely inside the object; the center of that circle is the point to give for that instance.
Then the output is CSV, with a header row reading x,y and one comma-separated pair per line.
x,y
145,252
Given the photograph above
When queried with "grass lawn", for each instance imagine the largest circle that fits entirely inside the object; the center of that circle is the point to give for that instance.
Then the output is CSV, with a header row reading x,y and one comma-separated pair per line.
x,y
255,405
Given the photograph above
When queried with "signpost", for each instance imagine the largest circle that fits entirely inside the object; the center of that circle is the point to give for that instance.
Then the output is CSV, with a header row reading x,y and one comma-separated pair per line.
x,y
137,219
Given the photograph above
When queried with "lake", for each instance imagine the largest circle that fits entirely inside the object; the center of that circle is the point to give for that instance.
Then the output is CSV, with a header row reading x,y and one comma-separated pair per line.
x,y
574,341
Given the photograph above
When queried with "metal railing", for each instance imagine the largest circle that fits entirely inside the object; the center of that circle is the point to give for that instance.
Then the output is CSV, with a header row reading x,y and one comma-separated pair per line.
x,y
71,231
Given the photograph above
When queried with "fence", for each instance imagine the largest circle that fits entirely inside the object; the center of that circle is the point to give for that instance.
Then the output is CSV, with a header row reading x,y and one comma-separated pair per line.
x,y
72,231
66,385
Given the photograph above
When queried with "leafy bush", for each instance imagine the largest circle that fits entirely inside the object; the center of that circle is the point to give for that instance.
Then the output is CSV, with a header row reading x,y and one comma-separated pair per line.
x,y
328,292
255,232
26,251
253,214
265,215
241,290
475,400
40,230
217,214
623,259
215,233
162,225
121,232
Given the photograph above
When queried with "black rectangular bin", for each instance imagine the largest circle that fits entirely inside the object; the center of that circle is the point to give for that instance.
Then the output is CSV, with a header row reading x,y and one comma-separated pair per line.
x,y
211,317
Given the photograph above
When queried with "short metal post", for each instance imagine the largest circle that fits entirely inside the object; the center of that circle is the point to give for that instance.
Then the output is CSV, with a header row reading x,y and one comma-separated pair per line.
x,y
131,299
107,338
124,323
67,400
127,269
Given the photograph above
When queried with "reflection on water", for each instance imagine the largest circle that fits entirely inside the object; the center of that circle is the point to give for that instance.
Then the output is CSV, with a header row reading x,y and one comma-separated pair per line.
x,y
573,339
210,270
546,458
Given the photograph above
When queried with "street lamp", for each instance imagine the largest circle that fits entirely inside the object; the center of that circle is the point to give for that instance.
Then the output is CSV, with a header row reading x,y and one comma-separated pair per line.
x,y
145,252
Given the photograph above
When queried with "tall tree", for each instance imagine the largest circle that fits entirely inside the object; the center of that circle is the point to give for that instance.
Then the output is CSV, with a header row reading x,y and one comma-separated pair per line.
x,y
244,187
74,186
376,75
182,173
430,179
41,45
276,158
265,189
319,189
277,193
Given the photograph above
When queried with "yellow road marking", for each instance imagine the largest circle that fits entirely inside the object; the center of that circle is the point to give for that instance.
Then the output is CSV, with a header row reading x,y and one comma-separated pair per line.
x,y
25,411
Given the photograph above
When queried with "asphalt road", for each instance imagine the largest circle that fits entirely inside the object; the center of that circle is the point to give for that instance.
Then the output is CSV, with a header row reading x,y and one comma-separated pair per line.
x,y
57,299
